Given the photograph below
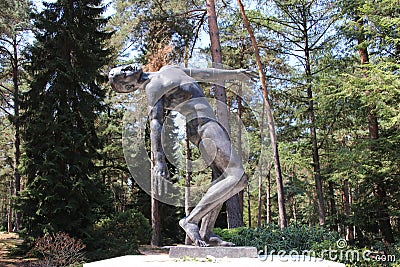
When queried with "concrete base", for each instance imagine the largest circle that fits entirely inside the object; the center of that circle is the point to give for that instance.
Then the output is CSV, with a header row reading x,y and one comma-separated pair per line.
x,y
165,261
216,252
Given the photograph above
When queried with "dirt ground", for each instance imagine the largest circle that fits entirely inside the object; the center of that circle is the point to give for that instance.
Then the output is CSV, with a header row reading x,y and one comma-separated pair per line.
x,y
8,241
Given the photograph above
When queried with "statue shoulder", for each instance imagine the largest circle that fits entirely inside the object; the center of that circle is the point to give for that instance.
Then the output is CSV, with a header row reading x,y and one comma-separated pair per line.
x,y
169,67
174,74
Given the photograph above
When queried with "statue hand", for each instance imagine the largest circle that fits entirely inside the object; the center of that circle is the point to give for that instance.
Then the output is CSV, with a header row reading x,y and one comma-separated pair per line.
x,y
161,170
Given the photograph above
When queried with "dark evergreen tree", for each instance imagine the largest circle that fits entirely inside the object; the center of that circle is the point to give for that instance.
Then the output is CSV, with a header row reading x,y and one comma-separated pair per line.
x,y
63,192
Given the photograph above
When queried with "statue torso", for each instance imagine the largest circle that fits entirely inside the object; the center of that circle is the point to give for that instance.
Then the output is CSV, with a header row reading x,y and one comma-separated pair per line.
x,y
179,91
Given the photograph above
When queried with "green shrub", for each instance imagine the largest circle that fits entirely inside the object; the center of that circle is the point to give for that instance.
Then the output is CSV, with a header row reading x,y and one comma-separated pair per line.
x,y
395,250
119,235
309,241
271,237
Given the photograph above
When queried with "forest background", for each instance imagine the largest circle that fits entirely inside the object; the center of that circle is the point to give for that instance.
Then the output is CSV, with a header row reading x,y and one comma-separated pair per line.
x,y
332,79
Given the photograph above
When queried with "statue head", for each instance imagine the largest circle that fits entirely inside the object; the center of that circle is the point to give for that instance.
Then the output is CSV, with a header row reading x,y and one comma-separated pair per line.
x,y
125,79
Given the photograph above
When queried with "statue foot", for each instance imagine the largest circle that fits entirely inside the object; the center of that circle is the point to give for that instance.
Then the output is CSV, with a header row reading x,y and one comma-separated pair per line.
x,y
215,240
192,230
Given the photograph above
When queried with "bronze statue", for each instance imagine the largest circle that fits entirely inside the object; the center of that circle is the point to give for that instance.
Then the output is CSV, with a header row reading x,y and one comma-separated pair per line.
x,y
175,88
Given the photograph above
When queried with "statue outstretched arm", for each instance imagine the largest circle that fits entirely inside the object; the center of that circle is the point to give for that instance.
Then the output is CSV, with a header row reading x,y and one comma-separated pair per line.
x,y
214,75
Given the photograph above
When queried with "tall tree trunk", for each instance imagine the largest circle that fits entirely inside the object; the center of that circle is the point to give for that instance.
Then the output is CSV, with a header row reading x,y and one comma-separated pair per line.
x,y
233,210
260,170
248,206
268,192
216,55
123,202
332,206
188,179
379,188
347,202
313,132
271,124
157,158
259,201
294,208
347,210
155,223
16,121
10,209
239,145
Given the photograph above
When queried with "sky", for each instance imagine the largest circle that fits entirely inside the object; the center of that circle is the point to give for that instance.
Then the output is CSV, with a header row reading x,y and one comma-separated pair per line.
x,y
203,41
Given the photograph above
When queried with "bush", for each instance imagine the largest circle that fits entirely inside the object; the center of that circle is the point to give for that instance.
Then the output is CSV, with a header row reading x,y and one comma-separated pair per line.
x,y
58,249
316,241
119,235
271,237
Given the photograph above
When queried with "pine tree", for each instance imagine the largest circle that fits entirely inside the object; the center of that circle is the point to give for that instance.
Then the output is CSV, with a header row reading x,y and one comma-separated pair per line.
x,y
234,208
63,192
14,22
369,30
303,30
281,199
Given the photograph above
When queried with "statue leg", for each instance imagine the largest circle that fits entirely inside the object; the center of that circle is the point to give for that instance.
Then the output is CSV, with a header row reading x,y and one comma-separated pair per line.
x,y
215,146
206,230
208,222
208,204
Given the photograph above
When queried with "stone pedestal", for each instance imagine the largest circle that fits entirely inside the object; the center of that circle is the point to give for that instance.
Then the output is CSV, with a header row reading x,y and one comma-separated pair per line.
x,y
216,252
165,261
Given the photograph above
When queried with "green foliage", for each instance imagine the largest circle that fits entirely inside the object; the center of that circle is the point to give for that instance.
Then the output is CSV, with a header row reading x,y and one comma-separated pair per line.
x,y
111,165
6,171
272,237
149,26
313,241
358,257
118,235
14,17
63,191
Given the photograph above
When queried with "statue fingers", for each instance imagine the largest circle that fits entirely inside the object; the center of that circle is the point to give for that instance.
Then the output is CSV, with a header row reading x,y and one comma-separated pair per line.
x,y
161,170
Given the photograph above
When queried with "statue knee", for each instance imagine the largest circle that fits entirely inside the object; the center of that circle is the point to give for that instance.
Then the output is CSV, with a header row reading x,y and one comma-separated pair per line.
x,y
238,181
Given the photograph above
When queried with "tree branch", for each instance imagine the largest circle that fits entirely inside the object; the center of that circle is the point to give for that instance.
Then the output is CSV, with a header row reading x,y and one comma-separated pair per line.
x,y
322,34
330,128
190,11
319,19
6,111
284,79
284,23
197,32
5,51
283,35
7,41
5,88
293,18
